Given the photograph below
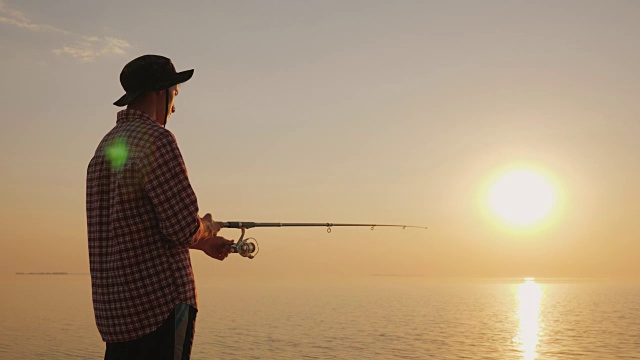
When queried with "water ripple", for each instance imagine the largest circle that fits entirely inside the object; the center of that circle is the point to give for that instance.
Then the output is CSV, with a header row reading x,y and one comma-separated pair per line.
x,y
388,319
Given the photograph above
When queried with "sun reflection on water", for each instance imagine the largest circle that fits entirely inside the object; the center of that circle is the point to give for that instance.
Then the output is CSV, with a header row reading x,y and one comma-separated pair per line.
x,y
529,297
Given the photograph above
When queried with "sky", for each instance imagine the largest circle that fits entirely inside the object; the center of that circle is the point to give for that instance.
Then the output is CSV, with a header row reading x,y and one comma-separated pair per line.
x,y
340,111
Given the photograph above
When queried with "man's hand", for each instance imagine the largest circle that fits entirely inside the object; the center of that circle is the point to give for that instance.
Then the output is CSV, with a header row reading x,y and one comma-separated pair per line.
x,y
211,227
216,247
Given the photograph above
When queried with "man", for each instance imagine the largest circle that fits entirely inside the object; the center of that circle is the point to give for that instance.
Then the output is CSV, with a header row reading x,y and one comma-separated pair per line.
x,y
142,219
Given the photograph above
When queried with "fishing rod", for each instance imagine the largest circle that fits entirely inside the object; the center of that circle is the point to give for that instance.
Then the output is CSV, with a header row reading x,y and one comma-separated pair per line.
x,y
247,247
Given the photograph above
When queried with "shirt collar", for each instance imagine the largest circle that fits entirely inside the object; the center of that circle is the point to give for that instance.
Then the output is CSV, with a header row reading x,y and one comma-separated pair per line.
x,y
132,115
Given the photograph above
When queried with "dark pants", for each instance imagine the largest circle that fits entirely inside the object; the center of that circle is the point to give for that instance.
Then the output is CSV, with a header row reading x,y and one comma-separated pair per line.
x,y
171,341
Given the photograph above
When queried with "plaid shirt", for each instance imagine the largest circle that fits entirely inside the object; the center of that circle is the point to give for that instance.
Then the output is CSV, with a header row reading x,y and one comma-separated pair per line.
x,y
142,216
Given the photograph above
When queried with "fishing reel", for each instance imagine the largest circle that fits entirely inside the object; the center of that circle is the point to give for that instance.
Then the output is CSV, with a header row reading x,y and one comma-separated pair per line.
x,y
245,247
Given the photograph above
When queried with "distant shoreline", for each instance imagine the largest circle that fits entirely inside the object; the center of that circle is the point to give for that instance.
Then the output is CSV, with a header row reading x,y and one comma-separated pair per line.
x,y
49,273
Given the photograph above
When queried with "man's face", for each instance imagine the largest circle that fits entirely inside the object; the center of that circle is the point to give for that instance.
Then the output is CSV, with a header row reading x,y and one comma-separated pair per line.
x,y
160,101
173,92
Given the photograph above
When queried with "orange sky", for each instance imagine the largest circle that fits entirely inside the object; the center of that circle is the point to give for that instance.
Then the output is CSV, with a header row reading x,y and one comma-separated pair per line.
x,y
356,111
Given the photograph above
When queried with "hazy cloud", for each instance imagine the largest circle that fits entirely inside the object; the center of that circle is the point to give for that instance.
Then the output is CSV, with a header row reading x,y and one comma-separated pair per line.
x,y
92,47
86,49
16,18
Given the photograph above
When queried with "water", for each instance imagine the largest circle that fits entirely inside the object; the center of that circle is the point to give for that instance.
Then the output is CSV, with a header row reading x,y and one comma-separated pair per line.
x,y
50,317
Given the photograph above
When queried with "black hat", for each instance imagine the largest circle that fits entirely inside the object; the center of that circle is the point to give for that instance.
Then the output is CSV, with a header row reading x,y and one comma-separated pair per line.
x,y
149,73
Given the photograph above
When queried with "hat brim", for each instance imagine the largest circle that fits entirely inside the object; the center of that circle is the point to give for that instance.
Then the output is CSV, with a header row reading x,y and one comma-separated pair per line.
x,y
127,98
178,78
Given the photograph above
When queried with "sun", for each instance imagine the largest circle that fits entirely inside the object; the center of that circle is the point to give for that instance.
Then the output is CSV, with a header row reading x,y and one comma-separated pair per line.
x,y
522,197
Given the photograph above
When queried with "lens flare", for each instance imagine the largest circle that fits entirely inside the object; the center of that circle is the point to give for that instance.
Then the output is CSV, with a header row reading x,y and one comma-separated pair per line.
x,y
117,153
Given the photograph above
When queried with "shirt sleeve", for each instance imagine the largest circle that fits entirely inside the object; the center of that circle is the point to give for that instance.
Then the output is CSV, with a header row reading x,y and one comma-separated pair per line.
x,y
165,180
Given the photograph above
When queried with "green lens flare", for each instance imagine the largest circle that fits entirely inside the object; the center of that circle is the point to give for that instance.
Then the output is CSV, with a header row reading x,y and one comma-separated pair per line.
x,y
117,153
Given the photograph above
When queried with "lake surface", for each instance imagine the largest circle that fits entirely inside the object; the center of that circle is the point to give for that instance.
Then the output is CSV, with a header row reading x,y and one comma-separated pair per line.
x,y
50,317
